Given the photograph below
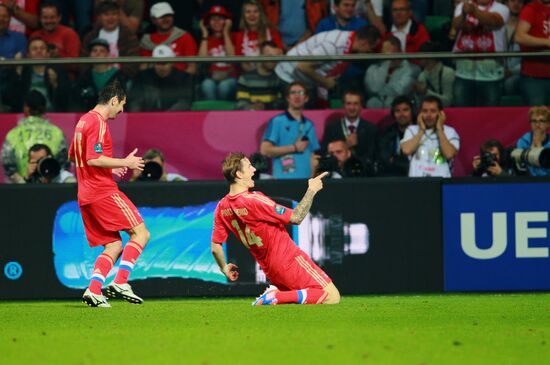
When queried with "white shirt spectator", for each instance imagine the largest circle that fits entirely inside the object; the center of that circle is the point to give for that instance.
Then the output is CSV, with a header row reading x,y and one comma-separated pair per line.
x,y
384,86
332,43
428,160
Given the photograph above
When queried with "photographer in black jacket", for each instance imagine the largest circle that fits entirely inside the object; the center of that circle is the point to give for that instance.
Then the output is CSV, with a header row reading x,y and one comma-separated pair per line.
x,y
492,160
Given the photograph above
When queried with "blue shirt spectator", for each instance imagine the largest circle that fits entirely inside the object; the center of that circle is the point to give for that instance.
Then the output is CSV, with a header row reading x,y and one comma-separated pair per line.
x,y
284,130
344,18
11,42
292,23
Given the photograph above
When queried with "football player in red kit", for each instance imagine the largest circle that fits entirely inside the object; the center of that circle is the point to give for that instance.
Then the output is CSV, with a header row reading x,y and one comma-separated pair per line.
x,y
106,210
258,222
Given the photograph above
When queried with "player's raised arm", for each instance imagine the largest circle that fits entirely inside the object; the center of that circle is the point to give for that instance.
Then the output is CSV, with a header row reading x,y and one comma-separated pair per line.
x,y
302,209
229,270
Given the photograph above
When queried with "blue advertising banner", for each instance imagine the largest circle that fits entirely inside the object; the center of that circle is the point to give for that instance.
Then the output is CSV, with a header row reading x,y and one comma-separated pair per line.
x,y
495,236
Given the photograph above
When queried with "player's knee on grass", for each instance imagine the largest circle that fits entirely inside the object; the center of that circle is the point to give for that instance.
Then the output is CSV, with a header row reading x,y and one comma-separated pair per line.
x,y
140,234
333,296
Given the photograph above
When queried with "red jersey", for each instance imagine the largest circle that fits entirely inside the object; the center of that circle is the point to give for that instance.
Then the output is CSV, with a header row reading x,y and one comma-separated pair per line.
x,y
65,40
91,140
183,46
216,48
258,222
538,15
246,43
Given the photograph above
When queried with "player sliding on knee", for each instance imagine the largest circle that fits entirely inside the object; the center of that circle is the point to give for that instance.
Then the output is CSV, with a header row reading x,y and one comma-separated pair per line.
x,y
258,222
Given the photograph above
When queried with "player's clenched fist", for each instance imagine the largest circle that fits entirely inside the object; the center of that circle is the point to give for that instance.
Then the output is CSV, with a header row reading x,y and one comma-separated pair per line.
x,y
230,270
316,183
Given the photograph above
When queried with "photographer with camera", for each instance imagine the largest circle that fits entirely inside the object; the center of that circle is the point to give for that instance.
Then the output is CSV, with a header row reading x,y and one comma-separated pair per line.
x,y
155,168
32,129
44,169
537,139
492,161
340,162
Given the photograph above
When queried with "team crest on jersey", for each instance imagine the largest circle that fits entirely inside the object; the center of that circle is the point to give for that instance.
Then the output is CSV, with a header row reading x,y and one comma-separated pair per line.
x,y
279,209
98,148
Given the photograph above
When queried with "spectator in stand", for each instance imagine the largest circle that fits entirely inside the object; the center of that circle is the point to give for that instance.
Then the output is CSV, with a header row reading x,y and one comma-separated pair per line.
x,y
391,161
532,34
79,12
409,31
513,64
290,138
185,11
430,144
344,18
95,78
32,129
24,19
216,42
122,41
179,40
482,27
162,87
324,74
372,10
388,79
63,40
435,79
260,89
233,7
12,45
50,80
538,137
358,133
295,19
131,13
254,30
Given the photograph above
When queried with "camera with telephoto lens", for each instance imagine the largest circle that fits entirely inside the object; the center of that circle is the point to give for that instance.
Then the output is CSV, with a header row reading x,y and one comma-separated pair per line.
x,y
152,171
487,160
47,168
328,163
537,157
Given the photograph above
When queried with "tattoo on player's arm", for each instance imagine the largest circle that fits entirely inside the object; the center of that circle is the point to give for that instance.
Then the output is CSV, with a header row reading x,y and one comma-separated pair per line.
x,y
302,209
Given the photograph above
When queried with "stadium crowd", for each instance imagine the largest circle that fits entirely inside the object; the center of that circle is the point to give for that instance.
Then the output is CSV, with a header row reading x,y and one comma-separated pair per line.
x,y
36,29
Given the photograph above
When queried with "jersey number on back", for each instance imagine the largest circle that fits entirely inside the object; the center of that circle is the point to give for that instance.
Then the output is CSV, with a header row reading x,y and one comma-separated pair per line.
x,y
248,238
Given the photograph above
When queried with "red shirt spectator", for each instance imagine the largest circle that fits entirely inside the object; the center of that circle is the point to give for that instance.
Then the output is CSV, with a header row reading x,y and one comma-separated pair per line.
x,y
537,16
411,33
65,40
181,42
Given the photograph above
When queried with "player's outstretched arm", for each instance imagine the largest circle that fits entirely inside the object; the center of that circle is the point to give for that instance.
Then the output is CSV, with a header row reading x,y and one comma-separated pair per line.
x,y
302,209
131,161
229,270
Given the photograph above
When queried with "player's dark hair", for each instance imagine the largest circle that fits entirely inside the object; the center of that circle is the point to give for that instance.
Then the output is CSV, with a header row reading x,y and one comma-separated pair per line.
x,y
110,91
432,99
152,153
369,33
36,102
39,147
231,164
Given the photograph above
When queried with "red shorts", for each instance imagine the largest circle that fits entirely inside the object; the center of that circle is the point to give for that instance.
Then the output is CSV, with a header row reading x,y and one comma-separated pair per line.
x,y
300,273
104,218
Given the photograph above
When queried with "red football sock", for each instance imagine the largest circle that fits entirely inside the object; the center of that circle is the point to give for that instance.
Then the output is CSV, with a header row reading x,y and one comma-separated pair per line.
x,y
129,257
304,296
102,266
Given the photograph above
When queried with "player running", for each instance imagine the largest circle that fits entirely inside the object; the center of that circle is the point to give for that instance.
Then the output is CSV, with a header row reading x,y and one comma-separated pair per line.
x,y
106,210
258,222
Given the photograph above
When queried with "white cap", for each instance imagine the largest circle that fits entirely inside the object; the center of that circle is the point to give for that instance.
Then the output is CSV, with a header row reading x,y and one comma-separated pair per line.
x,y
161,9
162,50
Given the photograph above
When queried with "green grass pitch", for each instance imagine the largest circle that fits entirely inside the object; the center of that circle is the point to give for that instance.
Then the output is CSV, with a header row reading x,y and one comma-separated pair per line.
x,y
425,329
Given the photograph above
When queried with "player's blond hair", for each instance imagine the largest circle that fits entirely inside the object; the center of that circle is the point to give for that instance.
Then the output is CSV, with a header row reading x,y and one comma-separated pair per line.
x,y
231,164
539,110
